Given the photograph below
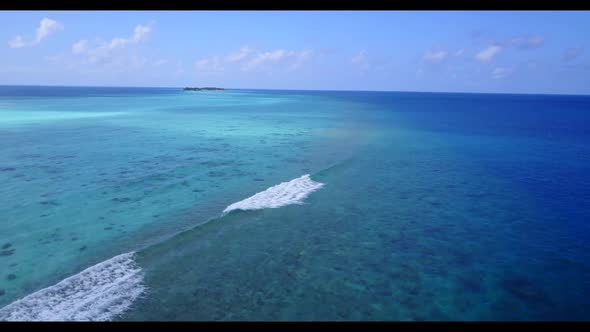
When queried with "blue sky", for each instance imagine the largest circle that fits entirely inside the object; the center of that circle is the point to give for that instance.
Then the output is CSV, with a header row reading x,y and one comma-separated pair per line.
x,y
451,51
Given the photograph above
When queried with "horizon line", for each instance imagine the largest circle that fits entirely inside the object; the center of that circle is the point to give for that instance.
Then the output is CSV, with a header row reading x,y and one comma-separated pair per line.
x,y
311,90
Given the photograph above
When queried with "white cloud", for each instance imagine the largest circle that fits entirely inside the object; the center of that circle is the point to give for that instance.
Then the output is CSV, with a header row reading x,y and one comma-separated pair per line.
x,y
459,52
247,58
501,72
265,57
435,56
300,57
141,33
119,42
360,57
488,54
527,42
111,52
515,41
17,42
240,55
294,58
209,65
80,47
46,27
535,42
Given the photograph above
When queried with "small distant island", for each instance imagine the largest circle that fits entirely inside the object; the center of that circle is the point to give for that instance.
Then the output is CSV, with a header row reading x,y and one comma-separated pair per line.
x,y
201,89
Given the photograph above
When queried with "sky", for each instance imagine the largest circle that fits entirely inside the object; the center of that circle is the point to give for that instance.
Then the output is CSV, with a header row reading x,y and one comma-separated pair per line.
x,y
436,51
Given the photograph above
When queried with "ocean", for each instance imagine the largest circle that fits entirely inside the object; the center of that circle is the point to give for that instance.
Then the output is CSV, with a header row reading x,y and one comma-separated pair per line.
x,y
159,204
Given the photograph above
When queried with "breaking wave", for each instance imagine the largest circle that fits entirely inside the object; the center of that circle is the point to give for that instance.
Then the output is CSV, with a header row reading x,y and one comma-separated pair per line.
x,y
99,293
104,291
286,193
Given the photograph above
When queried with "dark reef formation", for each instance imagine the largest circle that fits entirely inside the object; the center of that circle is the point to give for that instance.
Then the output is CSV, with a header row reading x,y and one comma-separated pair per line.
x,y
203,89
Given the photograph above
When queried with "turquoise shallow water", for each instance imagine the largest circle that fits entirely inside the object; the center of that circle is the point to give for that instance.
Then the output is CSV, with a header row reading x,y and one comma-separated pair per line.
x,y
434,206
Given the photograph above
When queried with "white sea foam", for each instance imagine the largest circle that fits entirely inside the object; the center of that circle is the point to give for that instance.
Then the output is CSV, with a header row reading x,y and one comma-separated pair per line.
x,y
286,193
99,293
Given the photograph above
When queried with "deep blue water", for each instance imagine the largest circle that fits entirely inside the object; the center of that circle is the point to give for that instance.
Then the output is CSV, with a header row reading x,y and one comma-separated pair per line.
x,y
434,206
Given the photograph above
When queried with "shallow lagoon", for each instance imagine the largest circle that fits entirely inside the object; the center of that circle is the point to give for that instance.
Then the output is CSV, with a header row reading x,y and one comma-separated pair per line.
x,y
434,206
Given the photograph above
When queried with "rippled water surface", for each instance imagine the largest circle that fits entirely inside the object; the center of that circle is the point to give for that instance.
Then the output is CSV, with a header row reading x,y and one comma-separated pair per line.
x,y
197,205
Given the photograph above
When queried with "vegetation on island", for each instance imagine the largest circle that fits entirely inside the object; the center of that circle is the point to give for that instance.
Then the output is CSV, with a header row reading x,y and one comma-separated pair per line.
x,y
202,89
